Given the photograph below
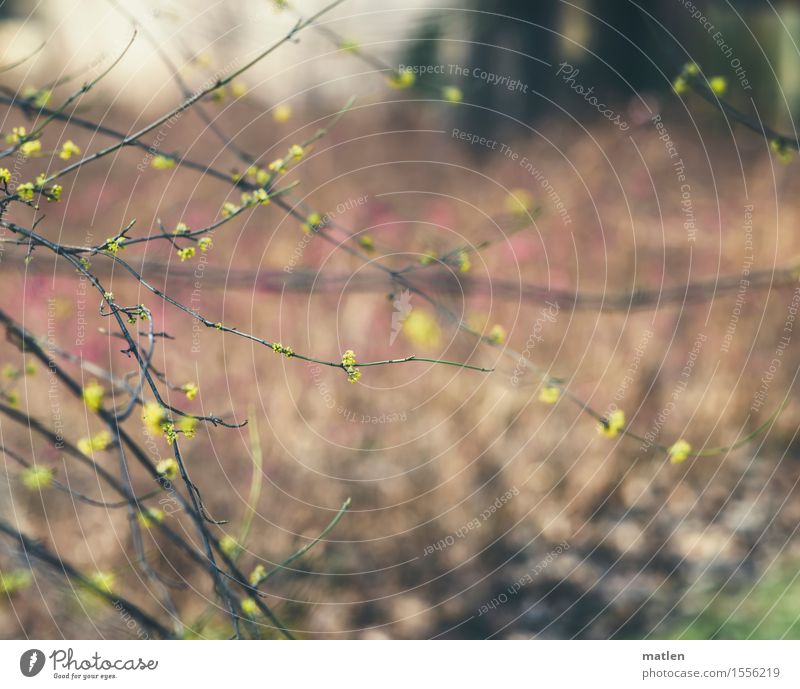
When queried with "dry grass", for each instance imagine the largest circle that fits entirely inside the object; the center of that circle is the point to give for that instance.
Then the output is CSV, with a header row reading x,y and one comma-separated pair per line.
x,y
641,532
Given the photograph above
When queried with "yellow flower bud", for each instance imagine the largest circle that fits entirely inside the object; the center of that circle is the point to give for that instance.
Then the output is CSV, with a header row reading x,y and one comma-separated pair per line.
x,y
228,545
93,395
679,452
549,394
611,426
168,468
160,162
402,80
281,113
497,335
149,517
37,477
452,94
718,85
257,575
249,607
68,149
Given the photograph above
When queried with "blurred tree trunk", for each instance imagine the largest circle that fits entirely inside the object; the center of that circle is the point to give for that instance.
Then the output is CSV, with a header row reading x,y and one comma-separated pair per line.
x,y
621,48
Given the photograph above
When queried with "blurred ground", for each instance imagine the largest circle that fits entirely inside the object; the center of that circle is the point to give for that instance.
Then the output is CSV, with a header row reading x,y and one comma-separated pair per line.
x,y
582,536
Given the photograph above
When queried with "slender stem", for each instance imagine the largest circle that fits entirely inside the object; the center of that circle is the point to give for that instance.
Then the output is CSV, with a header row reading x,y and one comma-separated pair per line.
x,y
302,551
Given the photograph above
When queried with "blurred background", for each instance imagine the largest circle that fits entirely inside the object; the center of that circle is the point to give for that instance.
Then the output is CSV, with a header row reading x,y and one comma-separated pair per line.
x,y
477,510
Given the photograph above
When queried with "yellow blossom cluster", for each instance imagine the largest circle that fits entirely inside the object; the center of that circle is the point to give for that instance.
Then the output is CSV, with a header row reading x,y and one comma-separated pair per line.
x,y
68,149
611,426
349,365
93,395
549,394
37,477
98,442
